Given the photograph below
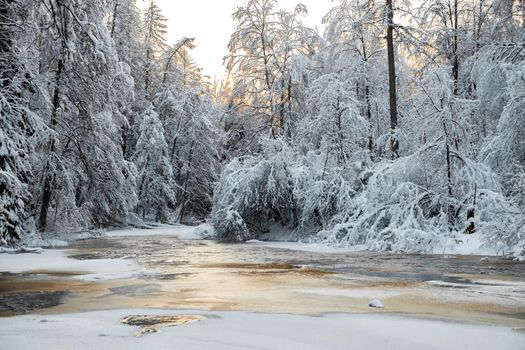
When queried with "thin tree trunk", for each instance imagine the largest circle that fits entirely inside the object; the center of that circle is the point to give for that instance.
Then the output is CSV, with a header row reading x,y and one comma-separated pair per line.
x,y
480,24
450,209
289,100
267,74
174,146
369,116
114,19
394,144
282,109
147,73
143,180
522,3
183,206
455,65
47,188
449,171
340,137
367,95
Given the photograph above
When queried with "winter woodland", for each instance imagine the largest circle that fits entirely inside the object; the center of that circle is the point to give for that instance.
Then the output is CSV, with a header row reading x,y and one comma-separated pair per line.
x,y
400,127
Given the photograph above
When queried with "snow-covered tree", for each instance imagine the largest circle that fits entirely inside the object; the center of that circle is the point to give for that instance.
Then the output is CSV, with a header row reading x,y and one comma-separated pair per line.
x,y
356,55
260,60
193,148
86,85
253,192
154,29
155,181
102,122
455,100
17,124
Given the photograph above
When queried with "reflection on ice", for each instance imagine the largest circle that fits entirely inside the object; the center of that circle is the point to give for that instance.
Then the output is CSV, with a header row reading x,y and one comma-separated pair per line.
x,y
171,273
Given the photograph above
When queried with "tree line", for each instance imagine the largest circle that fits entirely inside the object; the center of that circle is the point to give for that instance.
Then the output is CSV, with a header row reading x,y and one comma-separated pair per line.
x,y
103,123
399,127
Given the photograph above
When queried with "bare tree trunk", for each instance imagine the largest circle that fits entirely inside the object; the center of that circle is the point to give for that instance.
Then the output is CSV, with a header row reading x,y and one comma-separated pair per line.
x,y
147,73
367,96
522,3
369,116
47,190
449,171
289,100
141,206
174,146
450,209
267,74
394,144
114,19
340,136
183,207
480,24
282,108
455,63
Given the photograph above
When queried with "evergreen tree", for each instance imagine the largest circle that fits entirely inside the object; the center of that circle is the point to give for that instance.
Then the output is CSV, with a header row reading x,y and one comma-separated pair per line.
x,y
154,29
155,185
16,126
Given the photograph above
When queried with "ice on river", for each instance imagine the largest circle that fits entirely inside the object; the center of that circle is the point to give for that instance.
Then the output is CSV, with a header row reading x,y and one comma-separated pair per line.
x,y
55,260
265,286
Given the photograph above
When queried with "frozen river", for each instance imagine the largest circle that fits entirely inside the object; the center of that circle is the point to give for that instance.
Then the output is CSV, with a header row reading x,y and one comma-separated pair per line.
x,y
160,271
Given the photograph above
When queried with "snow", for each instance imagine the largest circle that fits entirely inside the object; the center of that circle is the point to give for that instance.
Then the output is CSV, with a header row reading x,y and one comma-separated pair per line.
x,y
55,260
205,230
470,245
483,291
180,231
376,303
20,250
243,330
305,247
51,260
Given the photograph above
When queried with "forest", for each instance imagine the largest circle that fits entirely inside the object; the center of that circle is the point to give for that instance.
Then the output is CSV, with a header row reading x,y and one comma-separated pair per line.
x,y
398,127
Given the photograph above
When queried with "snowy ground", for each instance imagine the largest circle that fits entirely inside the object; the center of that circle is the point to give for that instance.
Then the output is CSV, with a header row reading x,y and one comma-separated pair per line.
x,y
54,260
242,330
57,260
279,237
181,231
470,245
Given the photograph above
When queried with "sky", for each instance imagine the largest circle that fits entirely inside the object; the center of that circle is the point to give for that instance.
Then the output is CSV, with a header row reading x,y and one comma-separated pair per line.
x,y
211,24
